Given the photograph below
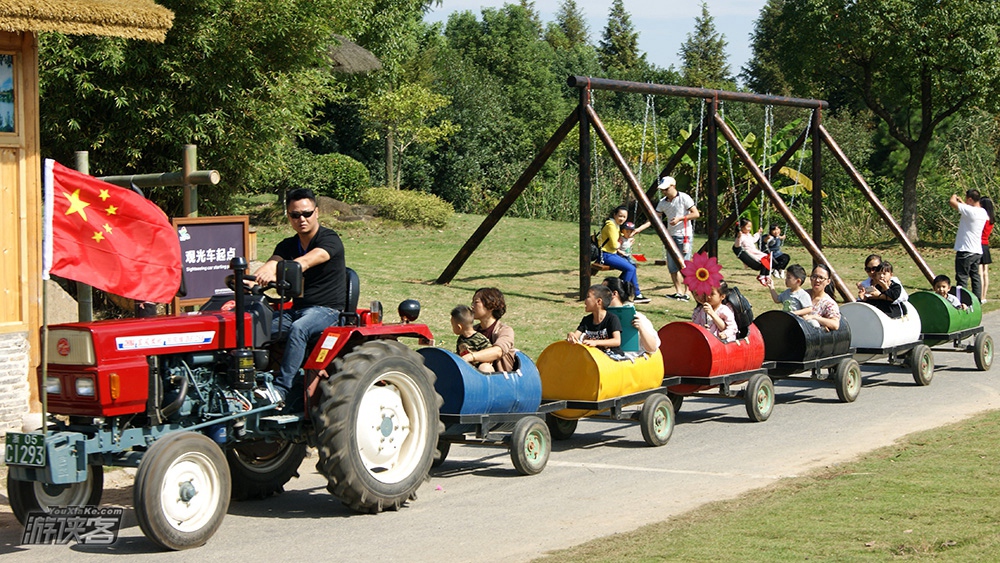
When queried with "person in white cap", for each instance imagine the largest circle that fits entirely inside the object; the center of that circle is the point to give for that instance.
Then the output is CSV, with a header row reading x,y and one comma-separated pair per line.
x,y
679,212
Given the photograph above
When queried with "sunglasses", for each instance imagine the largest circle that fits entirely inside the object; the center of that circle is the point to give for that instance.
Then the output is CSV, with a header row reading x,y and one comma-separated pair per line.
x,y
300,214
874,268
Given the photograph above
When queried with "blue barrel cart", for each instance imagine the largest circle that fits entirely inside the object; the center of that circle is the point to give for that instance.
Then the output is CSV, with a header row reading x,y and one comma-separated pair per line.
x,y
874,335
942,322
495,409
797,347
590,384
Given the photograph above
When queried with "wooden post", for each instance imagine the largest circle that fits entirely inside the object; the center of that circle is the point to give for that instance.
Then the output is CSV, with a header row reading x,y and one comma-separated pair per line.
x,y
84,292
779,204
498,212
189,165
876,204
713,179
817,179
586,196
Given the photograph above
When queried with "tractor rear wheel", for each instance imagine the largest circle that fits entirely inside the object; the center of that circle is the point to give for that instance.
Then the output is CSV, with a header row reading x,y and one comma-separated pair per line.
x,y
33,496
261,468
377,426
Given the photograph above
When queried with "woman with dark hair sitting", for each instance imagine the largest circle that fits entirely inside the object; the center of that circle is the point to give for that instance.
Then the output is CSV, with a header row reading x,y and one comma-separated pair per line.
x,y
610,253
746,250
488,306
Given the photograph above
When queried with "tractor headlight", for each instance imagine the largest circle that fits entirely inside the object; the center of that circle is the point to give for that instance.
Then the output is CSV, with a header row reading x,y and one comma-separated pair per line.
x,y
85,387
53,385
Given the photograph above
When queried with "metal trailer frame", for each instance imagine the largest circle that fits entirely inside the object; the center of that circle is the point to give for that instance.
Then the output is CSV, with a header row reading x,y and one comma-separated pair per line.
x,y
981,348
758,395
846,373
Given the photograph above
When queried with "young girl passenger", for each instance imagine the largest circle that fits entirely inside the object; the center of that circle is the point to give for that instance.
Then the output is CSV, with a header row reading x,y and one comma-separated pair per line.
x,y
715,315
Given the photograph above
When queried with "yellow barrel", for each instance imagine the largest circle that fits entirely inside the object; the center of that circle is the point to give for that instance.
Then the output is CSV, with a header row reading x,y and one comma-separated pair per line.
x,y
580,373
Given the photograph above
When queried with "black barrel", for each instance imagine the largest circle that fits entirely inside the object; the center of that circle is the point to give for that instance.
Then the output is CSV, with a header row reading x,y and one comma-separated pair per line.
x,y
789,338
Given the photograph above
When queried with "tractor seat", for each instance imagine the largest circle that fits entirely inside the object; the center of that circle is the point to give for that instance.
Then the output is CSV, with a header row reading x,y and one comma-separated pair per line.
x,y
349,316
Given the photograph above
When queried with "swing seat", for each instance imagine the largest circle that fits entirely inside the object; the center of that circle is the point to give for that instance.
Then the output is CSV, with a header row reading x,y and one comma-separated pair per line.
x,y
596,267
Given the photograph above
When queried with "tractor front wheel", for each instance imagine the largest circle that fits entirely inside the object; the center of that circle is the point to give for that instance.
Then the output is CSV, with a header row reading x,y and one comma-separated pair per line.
x,y
33,496
182,490
377,426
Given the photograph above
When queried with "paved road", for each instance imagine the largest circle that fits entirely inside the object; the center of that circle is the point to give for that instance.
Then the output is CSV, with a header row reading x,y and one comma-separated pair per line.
x,y
604,480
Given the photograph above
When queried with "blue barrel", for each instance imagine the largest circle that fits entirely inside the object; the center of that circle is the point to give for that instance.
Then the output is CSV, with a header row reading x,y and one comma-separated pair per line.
x,y
466,390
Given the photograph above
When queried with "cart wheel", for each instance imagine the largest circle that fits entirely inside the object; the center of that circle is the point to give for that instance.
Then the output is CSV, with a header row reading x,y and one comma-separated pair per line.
x,y
530,444
676,400
848,380
759,397
983,351
922,364
657,420
441,453
560,428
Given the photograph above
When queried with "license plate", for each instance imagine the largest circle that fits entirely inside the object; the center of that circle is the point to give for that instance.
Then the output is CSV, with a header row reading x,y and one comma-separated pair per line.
x,y
25,449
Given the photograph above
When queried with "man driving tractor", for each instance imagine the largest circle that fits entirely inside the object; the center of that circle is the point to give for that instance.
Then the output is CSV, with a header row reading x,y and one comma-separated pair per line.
x,y
321,253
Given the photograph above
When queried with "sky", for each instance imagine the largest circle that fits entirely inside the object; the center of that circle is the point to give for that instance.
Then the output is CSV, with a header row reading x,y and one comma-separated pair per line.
x,y
663,25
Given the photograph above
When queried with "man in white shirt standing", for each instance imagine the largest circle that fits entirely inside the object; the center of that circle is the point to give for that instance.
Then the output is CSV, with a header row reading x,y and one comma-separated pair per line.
x,y
679,213
968,241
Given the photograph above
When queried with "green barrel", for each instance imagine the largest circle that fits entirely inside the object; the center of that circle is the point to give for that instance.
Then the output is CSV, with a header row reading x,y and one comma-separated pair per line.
x,y
938,316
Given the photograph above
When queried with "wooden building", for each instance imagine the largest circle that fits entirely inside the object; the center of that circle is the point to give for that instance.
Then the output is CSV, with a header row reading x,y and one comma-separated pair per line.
x,y
21,21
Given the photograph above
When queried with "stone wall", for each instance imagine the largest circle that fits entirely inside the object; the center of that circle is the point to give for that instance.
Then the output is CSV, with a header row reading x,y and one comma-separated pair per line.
x,y
13,380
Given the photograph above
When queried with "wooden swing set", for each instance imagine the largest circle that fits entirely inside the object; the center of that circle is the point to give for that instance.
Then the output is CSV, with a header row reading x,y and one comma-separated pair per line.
x,y
712,124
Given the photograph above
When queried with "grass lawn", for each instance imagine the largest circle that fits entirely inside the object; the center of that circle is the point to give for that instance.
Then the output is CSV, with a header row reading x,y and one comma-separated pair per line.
x,y
931,497
535,264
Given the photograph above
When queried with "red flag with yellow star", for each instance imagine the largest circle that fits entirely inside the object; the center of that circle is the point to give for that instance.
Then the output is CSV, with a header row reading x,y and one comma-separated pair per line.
x,y
109,237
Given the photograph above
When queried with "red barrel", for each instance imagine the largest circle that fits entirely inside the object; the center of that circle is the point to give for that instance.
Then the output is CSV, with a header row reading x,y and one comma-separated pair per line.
x,y
689,350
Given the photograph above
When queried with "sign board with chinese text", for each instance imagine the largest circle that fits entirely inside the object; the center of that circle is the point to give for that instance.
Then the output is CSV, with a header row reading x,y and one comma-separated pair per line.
x,y
207,246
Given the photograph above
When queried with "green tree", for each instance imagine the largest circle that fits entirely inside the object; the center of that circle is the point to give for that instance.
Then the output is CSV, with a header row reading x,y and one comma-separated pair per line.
x,y
705,63
762,74
618,50
236,79
914,63
405,115
570,29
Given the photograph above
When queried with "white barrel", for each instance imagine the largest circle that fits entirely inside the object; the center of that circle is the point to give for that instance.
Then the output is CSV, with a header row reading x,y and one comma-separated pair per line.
x,y
871,328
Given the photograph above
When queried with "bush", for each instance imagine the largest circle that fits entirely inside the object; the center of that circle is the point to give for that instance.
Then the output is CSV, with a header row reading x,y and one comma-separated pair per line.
x,y
332,175
409,207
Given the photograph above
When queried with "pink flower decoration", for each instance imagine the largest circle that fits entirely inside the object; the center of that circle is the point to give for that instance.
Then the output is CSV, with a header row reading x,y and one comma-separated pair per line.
x,y
702,273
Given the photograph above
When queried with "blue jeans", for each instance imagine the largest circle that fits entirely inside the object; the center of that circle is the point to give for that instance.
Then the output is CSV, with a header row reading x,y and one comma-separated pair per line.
x,y
619,262
299,325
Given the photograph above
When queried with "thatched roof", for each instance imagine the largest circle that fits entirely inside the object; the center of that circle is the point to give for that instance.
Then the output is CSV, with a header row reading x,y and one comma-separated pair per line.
x,y
131,19
349,57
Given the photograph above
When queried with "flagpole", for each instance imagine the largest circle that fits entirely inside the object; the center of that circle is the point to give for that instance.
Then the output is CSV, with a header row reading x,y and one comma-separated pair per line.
x,y
43,384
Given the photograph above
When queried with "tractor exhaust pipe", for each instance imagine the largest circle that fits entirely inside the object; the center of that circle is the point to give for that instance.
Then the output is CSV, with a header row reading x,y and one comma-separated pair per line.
x,y
242,374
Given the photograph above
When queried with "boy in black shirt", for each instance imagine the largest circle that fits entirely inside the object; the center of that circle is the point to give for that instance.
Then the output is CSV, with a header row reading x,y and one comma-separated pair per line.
x,y
598,329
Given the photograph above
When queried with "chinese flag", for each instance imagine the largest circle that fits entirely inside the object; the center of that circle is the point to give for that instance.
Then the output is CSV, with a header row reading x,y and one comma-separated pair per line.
x,y
109,237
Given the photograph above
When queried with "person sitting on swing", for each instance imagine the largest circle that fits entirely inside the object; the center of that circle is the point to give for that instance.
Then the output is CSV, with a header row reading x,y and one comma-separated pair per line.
x,y
746,250
611,253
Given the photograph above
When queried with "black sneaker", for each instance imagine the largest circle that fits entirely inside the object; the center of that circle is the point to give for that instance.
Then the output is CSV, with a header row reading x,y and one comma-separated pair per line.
x,y
684,298
640,299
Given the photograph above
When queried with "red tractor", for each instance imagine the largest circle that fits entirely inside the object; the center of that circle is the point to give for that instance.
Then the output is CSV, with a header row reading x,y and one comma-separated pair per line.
x,y
177,397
